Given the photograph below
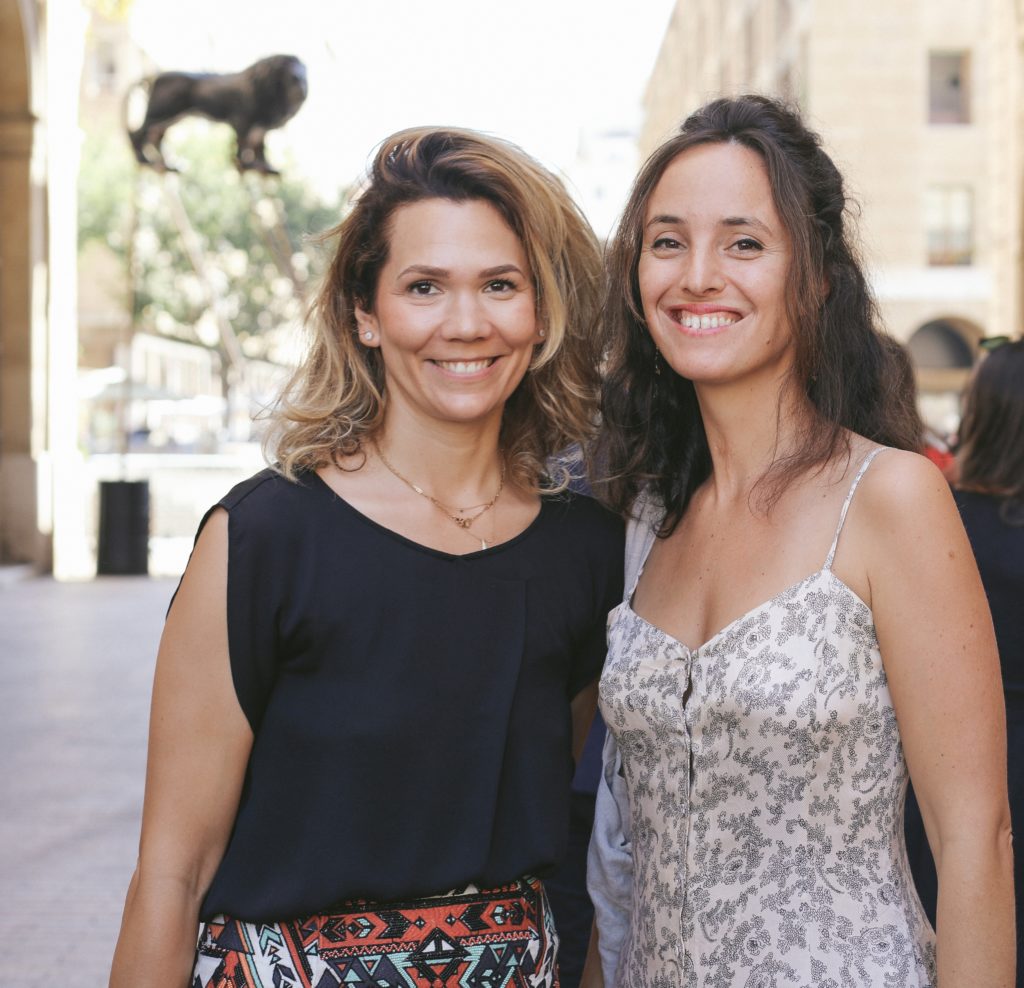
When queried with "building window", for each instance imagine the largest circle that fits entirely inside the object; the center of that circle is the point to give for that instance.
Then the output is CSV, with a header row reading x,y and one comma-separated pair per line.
x,y
949,217
783,17
949,91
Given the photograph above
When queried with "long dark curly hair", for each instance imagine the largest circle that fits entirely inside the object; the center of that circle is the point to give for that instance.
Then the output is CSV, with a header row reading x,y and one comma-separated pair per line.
x,y
653,436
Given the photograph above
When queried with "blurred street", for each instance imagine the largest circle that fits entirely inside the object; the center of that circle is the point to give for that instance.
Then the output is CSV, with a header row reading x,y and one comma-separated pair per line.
x,y
76,664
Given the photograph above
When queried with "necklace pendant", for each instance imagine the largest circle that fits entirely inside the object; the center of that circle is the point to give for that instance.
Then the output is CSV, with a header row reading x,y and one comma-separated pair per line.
x,y
462,522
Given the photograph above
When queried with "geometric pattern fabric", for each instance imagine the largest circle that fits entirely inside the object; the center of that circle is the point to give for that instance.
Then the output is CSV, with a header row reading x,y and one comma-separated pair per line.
x,y
500,938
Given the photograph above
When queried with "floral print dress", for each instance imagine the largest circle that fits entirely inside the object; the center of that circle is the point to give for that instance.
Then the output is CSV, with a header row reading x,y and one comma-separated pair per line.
x,y
766,785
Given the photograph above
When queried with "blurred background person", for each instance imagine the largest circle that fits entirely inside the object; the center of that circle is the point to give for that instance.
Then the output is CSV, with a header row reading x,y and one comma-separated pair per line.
x,y
990,496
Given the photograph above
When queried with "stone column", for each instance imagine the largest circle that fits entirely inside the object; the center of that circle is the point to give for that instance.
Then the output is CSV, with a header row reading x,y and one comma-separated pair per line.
x,y
22,269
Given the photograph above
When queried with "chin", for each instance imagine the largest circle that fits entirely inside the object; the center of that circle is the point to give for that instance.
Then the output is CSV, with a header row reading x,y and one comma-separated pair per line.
x,y
469,416
702,373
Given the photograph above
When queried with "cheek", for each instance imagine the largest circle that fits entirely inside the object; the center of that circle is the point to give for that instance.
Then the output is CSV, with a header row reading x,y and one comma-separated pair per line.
x,y
653,280
521,322
644,279
406,326
649,309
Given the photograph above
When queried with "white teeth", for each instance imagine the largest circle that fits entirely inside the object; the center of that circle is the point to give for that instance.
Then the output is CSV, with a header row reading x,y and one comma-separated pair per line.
x,y
464,366
714,321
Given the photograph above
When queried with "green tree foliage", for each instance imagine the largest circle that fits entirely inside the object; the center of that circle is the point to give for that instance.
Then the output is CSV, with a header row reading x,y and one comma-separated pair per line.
x,y
255,235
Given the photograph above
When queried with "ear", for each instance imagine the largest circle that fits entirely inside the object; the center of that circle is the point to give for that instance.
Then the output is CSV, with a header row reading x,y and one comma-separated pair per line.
x,y
369,328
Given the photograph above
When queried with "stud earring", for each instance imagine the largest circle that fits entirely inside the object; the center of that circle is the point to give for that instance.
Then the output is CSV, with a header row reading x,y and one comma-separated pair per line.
x,y
368,335
542,333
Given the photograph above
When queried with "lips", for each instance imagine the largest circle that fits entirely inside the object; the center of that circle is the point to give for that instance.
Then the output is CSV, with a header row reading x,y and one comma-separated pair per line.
x,y
465,367
704,321
699,319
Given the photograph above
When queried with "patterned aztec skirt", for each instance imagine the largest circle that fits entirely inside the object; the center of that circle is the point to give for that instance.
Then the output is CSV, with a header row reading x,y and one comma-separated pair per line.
x,y
499,938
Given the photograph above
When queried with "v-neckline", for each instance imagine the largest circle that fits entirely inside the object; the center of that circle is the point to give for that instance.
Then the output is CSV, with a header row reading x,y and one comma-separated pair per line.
x,y
491,550
628,604
825,568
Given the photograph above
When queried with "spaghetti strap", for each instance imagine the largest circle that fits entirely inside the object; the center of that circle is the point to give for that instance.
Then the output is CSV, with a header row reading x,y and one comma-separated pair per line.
x,y
846,504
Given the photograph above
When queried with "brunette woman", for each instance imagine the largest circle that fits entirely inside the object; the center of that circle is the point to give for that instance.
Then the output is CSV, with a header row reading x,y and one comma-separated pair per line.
x,y
803,619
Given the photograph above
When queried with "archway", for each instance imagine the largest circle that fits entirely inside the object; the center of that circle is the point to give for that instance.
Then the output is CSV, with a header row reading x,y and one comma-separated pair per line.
x,y
943,353
940,345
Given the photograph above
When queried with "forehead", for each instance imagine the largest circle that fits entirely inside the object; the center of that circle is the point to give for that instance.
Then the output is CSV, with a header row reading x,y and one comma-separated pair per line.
x,y
442,231
714,181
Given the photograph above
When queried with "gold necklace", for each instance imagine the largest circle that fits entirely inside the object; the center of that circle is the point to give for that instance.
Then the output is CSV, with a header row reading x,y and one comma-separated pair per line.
x,y
460,519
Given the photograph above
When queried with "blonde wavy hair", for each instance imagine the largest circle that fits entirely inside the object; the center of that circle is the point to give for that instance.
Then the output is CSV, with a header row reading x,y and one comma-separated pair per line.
x,y
336,399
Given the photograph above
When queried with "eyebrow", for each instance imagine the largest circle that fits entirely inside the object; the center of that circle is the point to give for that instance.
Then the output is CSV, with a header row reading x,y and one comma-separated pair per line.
x,y
500,269
666,219
669,220
433,272
745,221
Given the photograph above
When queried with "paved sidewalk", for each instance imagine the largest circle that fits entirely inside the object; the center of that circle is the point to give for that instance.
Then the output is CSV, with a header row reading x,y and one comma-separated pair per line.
x,y
76,665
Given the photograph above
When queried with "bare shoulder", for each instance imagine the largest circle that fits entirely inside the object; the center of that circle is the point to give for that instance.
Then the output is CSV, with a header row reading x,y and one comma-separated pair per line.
x,y
214,536
902,520
204,585
905,492
910,539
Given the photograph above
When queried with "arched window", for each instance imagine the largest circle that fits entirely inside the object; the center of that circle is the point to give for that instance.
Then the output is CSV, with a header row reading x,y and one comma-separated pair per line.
x,y
940,345
942,352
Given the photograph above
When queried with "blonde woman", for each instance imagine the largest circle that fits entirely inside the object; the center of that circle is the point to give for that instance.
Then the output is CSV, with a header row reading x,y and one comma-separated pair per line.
x,y
385,648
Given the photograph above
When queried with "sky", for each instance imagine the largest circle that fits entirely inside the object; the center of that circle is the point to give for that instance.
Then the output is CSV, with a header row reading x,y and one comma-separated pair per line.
x,y
537,72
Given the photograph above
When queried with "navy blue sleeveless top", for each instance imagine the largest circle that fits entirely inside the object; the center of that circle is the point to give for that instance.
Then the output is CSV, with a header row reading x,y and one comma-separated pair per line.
x,y
410,708
999,550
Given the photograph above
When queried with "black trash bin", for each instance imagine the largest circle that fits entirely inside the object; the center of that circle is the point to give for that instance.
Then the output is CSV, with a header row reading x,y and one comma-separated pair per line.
x,y
124,528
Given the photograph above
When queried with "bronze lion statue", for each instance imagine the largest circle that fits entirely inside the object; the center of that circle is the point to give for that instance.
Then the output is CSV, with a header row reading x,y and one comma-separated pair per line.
x,y
265,95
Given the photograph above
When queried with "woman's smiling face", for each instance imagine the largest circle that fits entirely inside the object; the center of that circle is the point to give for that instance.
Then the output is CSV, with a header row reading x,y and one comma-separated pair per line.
x,y
713,267
454,313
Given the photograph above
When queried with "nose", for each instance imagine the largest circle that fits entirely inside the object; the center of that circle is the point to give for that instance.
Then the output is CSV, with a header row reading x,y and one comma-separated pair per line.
x,y
466,318
702,272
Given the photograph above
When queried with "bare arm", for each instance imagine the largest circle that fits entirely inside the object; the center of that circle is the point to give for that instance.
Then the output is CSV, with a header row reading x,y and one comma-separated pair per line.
x,y
938,646
199,743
